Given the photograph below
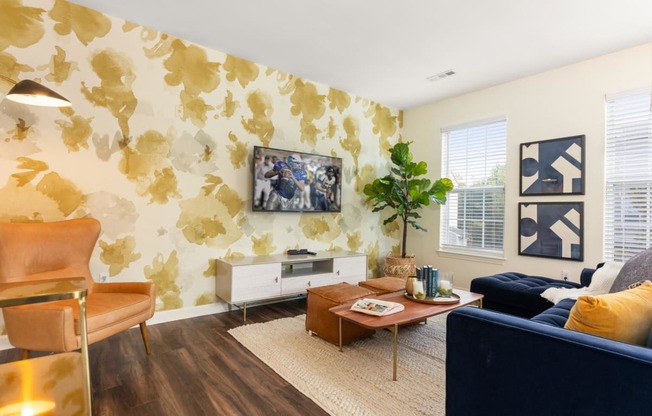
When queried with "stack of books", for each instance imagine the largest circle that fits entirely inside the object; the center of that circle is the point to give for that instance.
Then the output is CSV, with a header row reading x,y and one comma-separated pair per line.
x,y
430,278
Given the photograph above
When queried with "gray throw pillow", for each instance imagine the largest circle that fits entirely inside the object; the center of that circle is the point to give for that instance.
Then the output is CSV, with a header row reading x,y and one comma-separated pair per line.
x,y
636,268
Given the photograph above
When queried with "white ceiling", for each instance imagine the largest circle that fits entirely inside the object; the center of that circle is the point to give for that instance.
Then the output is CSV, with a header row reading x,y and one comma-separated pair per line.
x,y
384,50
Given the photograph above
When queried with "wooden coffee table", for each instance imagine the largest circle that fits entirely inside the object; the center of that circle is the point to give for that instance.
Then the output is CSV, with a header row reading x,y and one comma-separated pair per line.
x,y
414,312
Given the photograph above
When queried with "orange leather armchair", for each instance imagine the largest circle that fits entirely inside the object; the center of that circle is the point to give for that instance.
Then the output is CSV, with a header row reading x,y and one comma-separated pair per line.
x,y
54,250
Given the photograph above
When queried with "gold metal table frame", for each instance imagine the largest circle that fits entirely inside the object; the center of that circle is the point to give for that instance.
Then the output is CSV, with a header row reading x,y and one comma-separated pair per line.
x,y
37,291
414,312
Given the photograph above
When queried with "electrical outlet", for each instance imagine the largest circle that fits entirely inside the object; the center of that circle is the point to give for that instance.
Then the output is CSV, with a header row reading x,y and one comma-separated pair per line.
x,y
104,277
565,274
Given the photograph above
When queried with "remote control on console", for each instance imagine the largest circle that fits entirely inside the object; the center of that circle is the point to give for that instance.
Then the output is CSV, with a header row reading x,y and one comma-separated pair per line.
x,y
300,251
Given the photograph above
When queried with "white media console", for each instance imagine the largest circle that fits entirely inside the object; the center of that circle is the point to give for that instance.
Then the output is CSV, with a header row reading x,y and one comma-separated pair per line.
x,y
260,278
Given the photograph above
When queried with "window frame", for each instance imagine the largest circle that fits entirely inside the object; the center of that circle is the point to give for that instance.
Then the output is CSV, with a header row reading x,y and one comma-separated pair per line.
x,y
628,146
494,250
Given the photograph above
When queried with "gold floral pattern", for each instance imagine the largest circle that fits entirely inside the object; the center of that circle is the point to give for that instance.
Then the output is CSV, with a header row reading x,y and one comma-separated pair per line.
x,y
158,146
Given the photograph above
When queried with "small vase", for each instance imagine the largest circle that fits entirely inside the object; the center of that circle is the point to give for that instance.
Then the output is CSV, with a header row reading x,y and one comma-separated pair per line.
x,y
446,284
409,284
417,289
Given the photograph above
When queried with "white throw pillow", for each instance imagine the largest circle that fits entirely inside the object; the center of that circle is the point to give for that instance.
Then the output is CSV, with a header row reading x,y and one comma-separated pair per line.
x,y
604,277
601,282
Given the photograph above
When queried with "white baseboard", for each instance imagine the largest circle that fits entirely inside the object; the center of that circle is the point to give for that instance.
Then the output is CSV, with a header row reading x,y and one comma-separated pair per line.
x,y
161,317
185,313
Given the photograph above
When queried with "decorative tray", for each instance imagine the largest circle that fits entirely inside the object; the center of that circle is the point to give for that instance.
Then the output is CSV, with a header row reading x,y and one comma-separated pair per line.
x,y
436,300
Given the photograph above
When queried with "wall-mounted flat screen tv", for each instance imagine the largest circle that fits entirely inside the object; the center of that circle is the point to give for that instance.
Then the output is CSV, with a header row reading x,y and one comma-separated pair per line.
x,y
291,181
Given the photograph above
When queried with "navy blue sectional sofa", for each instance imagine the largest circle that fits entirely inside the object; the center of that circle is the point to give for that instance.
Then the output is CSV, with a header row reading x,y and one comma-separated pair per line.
x,y
520,294
504,365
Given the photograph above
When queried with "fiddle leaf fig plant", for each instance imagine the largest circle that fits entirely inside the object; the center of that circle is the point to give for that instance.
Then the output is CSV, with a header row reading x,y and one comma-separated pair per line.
x,y
403,192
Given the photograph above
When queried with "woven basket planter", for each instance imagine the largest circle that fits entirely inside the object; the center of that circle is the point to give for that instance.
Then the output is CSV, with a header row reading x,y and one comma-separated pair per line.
x,y
400,266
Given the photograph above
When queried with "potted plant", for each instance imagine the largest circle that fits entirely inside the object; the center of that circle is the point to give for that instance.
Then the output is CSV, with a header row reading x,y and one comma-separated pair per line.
x,y
405,193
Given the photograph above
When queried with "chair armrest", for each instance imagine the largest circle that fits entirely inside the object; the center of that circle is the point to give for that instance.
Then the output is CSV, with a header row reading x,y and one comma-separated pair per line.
x,y
46,326
144,288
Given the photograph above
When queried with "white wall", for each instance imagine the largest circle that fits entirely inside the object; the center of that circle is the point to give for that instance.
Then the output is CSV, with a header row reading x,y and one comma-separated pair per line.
x,y
559,103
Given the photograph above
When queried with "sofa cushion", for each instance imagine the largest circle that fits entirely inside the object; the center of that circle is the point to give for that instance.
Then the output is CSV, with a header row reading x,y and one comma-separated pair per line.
x,y
636,268
556,315
623,316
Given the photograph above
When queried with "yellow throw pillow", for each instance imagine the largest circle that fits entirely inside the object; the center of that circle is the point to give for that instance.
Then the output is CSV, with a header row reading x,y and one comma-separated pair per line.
x,y
622,316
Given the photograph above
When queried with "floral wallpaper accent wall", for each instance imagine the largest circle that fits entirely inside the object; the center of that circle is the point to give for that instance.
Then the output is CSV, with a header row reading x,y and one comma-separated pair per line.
x,y
158,146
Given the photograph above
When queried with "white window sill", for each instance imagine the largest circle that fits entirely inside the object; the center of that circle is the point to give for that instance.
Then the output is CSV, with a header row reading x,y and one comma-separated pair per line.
x,y
472,256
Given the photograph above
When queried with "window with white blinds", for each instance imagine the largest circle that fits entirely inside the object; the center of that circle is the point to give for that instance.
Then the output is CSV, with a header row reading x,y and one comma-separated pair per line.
x,y
628,176
473,218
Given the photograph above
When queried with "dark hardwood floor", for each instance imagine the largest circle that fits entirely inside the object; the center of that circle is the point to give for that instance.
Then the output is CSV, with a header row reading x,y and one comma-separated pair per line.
x,y
196,368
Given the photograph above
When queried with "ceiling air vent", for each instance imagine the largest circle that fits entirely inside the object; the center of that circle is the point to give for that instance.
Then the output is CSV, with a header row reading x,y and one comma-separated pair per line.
x,y
441,75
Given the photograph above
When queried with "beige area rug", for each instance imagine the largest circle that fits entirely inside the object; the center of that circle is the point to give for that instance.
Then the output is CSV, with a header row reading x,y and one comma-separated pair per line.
x,y
359,380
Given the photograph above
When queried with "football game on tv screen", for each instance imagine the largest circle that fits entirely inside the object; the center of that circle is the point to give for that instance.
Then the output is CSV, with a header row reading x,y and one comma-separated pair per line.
x,y
286,180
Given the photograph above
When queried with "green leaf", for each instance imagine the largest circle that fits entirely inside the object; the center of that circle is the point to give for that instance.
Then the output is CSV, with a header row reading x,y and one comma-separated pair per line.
x,y
417,169
390,219
400,154
417,226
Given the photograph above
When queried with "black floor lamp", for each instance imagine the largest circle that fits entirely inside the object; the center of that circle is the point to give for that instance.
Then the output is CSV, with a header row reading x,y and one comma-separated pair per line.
x,y
32,93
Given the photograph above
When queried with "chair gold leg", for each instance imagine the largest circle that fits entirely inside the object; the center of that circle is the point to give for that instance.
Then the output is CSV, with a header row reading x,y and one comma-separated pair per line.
x,y
143,332
24,354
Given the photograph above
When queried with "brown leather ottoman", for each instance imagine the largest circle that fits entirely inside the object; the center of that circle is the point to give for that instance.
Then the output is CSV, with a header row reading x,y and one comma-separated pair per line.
x,y
384,285
323,323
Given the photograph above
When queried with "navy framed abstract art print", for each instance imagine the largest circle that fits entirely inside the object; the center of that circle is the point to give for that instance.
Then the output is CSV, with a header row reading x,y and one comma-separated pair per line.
x,y
553,167
551,229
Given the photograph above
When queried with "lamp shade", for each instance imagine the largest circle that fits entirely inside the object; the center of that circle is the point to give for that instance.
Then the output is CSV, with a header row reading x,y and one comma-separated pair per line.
x,y
33,93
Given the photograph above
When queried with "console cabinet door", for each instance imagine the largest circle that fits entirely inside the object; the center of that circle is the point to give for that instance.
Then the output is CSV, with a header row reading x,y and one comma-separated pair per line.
x,y
254,282
352,269
297,285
